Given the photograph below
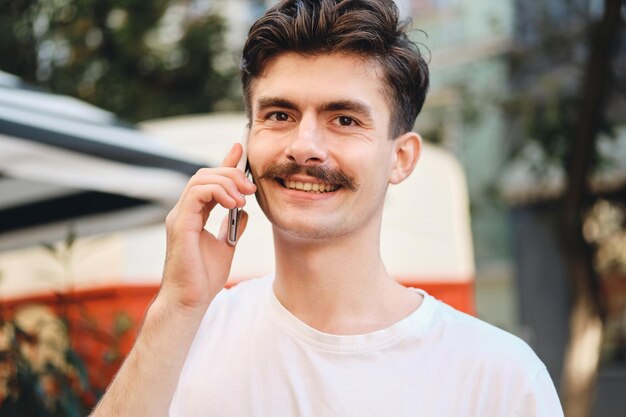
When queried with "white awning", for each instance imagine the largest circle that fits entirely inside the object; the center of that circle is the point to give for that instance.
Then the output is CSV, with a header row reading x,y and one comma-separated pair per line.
x,y
65,164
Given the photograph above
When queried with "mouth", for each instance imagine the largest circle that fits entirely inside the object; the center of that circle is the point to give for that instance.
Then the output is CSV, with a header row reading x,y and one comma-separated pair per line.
x,y
315,179
309,187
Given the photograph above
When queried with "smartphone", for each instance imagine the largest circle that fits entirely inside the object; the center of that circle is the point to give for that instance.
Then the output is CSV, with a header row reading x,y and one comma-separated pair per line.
x,y
234,214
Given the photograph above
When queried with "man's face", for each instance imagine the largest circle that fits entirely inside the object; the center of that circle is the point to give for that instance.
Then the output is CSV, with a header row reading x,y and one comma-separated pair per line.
x,y
319,146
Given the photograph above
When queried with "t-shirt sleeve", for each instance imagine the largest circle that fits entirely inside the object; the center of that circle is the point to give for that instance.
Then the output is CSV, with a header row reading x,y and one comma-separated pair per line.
x,y
540,399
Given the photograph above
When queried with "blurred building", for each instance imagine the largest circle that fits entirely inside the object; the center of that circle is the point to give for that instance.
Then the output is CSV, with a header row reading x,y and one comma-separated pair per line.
x,y
551,54
520,277
468,42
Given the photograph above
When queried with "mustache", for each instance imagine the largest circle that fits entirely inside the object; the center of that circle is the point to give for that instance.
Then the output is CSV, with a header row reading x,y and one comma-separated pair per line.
x,y
320,172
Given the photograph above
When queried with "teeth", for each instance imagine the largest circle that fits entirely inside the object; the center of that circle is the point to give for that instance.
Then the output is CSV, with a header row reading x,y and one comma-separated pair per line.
x,y
311,187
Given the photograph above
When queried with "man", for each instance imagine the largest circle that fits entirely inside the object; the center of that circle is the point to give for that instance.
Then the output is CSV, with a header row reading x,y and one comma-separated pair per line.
x,y
332,90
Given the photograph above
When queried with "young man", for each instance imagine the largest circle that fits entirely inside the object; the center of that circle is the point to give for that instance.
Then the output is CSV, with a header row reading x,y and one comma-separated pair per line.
x,y
332,90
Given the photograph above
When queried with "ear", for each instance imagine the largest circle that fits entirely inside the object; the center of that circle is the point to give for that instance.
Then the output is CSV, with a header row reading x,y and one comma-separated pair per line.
x,y
407,150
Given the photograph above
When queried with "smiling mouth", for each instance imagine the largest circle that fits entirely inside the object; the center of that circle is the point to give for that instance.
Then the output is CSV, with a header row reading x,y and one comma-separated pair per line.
x,y
308,186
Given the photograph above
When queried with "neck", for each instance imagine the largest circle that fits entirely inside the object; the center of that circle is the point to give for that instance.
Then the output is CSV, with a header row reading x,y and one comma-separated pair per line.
x,y
339,285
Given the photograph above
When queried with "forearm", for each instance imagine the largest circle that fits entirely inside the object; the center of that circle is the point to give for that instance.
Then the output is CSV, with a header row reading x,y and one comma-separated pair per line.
x,y
145,384
196,268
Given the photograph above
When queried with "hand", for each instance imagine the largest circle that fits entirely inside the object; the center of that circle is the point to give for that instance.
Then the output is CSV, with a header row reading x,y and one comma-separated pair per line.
x,y
197,263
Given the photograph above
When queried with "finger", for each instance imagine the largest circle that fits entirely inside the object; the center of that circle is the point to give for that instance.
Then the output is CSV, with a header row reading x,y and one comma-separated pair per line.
x,y
201,200
202,196
230,186
230,162
233,156
242,184
207,175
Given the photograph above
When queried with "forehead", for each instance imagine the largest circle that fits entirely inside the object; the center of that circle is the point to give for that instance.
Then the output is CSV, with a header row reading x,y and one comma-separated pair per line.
x,y
322,78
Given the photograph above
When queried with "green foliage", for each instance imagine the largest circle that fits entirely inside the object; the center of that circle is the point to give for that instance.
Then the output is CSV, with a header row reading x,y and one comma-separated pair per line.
x,y
41,391
43,377
547,69
139,59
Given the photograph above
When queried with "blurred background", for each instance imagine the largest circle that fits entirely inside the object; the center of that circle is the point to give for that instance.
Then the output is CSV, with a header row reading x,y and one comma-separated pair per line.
x,y
107,107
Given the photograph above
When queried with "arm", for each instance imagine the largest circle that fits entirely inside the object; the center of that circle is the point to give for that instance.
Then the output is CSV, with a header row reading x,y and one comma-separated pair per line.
x,y
197,266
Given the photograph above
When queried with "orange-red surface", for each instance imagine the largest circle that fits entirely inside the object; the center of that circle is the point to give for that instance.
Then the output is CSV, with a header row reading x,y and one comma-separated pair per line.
x,y
94,314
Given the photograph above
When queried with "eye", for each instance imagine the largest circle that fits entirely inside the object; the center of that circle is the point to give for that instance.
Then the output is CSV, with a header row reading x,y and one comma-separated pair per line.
x,y
345,121
278,116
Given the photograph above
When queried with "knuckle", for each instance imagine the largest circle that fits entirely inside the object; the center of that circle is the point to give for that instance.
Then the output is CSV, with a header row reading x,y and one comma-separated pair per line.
x,y
203,171
201,188
231,186
200,176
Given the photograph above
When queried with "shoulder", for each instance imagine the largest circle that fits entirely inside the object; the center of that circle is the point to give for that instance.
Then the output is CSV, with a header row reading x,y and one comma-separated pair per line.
x,y
496,363
481,344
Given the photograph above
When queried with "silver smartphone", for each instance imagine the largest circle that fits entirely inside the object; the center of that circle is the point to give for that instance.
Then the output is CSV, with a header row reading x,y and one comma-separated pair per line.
x,y
234,214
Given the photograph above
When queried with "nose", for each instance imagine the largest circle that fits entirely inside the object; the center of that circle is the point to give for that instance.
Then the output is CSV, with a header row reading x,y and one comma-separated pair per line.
x,y
307,146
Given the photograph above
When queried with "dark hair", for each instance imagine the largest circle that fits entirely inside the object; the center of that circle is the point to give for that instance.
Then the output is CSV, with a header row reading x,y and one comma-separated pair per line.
x,y
369,28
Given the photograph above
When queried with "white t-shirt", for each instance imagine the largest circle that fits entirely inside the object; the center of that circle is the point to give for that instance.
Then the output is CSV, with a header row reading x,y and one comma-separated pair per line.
x,y
252,357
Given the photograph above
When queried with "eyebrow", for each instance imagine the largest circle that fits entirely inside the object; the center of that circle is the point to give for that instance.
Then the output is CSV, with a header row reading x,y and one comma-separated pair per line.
x,y
355,106
267,102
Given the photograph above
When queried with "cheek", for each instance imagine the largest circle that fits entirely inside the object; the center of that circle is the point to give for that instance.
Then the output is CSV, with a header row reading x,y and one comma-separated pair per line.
x,y
255,158
373,166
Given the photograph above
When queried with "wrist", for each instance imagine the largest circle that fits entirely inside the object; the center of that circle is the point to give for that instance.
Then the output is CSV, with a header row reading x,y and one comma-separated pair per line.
x,y
166,305
179,299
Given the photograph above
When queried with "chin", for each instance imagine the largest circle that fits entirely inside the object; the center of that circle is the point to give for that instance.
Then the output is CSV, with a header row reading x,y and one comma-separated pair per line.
x,y
309,232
